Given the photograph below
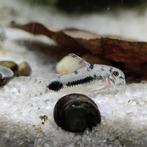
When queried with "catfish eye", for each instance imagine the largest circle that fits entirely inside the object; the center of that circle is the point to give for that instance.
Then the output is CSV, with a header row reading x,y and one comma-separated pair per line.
x,y
115,73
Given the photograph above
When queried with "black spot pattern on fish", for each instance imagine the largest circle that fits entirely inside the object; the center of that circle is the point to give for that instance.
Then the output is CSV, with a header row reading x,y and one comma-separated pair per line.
x,y
81,81
55,85
84,80
76,72
91,66
110,69
99,77
95,76
121,77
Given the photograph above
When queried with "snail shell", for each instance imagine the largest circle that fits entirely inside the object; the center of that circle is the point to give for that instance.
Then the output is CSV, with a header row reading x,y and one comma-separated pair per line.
x,y
11,65
24,69
76,113
5,75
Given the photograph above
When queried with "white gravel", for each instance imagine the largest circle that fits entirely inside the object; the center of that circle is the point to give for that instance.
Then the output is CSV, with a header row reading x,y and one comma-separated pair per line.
x,y
24,100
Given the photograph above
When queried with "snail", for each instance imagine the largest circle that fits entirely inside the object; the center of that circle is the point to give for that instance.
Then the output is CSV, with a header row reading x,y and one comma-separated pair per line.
x,y
10,64
86,74
5,75
23,69
9,69
76,113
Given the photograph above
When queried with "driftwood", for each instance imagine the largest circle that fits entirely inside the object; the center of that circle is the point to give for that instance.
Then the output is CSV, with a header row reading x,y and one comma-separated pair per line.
x,y
128,55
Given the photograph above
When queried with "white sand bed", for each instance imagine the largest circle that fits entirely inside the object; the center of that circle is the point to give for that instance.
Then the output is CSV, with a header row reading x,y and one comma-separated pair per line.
x,y
24,100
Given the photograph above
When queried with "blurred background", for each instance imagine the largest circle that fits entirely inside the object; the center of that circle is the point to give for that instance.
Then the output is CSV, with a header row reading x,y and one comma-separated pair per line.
x,y
125,18
85,6
78,6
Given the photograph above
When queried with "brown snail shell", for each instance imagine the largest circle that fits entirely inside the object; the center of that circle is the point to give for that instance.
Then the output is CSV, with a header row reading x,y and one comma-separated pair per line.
x,y
76,113
24,69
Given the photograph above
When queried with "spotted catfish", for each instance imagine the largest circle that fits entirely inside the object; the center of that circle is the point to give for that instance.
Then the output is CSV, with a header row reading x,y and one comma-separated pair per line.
x,y
88,73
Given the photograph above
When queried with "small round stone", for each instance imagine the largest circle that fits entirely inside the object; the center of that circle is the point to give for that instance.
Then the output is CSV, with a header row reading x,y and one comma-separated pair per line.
x,y
76,113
